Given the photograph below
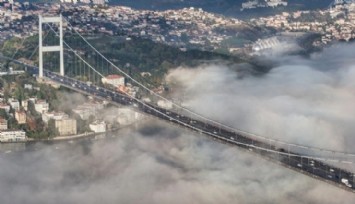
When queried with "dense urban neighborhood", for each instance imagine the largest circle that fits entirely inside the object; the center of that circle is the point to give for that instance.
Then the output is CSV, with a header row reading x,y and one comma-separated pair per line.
x,y
185,28
27,112
39,109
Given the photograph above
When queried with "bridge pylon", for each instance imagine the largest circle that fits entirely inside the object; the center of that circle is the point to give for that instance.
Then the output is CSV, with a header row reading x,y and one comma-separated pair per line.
x,y
59,48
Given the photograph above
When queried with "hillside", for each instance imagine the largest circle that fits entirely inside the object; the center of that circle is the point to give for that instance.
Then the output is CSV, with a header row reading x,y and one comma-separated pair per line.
x,y
143,55
224,7
147,56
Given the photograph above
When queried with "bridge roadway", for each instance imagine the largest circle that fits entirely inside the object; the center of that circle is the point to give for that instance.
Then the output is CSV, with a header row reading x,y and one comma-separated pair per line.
x,y
311,167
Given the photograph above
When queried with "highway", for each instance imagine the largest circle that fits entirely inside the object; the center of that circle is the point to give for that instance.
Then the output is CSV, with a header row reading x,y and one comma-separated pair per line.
x,y
300,163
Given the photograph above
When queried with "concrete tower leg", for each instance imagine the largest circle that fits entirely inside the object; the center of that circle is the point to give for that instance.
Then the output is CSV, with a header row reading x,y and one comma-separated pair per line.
x,y
40,51
59,48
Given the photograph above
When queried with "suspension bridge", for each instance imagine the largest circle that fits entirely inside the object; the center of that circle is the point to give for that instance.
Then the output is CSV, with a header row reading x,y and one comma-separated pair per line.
x,y
82,67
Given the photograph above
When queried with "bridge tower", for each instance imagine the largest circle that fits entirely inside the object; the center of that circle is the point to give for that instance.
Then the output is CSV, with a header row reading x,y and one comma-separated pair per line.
x,y
58,48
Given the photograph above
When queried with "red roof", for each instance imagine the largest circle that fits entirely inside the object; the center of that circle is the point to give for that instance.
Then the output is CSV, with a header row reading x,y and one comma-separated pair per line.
x,y
113,76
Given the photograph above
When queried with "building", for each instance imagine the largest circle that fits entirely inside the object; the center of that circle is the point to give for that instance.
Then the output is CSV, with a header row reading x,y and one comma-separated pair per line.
x,y
54,115
15,104
88,109
98,126
41,106
114,80
20,117
84,113
3,124
66,126
69,1
25,103
28,86
13,136
100,2
265,44
129,89
127,116
5,107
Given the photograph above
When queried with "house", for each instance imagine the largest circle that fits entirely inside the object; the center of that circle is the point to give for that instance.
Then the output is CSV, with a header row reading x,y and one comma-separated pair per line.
x,y
114,80
41,106
98,126
20,117
3,124
28,86
13,136
66,126
54,115
15,104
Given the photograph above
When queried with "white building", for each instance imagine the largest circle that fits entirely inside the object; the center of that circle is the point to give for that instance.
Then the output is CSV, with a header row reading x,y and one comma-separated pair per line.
x,y
41,106
13,136
98,126
25,105
69,1
15,104
114,80
100,2
3,124
275,3
250,4
126,116
268,43
54,115
66,126
28,86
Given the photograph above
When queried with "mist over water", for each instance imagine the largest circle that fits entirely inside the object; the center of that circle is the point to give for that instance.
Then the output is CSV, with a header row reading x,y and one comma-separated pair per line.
x,y
153,163
304,101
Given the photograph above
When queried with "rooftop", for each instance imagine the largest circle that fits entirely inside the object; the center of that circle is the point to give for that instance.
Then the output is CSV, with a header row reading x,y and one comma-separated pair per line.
x,y
113,76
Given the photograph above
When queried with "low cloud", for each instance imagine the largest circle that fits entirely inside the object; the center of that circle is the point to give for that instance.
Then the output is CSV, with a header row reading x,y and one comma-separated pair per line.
x,y
136,167
303,101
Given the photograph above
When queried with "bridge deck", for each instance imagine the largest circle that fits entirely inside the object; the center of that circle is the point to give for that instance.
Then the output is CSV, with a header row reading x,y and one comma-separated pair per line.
x,y
301,163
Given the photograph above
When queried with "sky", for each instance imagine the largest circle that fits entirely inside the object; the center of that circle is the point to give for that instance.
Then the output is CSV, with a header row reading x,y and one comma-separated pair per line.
x,y
309,101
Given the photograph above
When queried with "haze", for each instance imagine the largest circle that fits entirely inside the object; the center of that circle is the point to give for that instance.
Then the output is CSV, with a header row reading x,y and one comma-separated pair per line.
x,y
304,101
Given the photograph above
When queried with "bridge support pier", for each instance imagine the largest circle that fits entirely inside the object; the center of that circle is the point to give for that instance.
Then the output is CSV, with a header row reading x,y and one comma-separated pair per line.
x,y
59,48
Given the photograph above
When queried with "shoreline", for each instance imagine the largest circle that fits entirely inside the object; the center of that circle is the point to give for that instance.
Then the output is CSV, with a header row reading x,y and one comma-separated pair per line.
x,y
72,137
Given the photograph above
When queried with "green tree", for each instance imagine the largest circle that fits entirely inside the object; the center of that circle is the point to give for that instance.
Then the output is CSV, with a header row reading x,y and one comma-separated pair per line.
x,y
52,130
81,125
3,114
19,93
31,109
12,123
